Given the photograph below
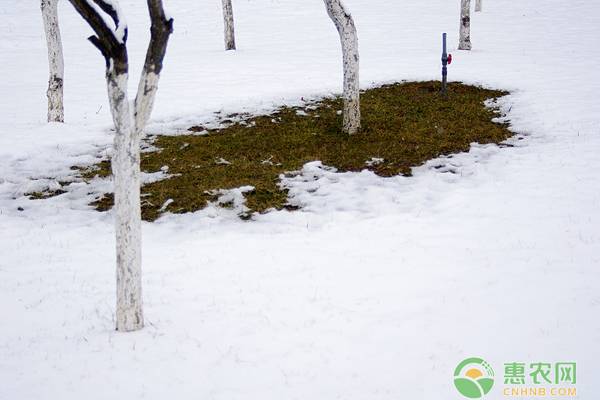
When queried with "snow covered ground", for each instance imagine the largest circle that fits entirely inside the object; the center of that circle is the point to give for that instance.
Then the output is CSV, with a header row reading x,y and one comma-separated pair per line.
x,y
380,286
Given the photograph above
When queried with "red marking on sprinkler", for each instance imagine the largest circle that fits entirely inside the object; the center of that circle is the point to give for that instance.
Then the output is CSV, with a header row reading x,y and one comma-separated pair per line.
x,y
449,59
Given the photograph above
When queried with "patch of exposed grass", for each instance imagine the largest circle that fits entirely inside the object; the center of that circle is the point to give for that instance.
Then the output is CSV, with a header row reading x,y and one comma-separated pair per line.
x,y
403,124
45,194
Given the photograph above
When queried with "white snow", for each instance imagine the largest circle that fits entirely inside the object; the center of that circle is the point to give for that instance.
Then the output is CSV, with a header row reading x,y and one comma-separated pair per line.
x,y
233,198
378,287
222,161
374,161
166,204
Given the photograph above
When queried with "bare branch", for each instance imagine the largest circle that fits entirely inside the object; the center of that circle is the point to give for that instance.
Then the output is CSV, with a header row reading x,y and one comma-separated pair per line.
x,y
160,30
159,36
105,40
113,11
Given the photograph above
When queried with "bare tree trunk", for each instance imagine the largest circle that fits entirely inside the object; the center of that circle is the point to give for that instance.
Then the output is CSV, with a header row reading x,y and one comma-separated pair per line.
x,y
129,127
345,25
229,26
56,111
478,6
465,25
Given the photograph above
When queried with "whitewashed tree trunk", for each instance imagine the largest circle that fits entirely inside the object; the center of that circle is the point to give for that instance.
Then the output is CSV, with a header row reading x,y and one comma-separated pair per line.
x,y
345,25
56,111
228,25
464,42
129,125
126,171
478,5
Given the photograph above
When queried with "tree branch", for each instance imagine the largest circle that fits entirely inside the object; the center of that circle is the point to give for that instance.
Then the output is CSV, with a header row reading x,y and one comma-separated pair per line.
x,y
112,9
159,36
106,39
160,29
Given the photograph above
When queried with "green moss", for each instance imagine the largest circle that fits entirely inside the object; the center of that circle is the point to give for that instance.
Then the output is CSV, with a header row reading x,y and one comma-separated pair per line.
x,y
404,124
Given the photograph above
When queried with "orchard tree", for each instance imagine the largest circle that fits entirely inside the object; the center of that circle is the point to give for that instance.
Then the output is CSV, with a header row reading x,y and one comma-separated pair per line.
x,y
228,25
345,25
478,5
111,40
56,112
464,42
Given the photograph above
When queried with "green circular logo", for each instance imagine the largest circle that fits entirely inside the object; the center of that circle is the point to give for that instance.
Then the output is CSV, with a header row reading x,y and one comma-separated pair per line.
x,y
474,378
